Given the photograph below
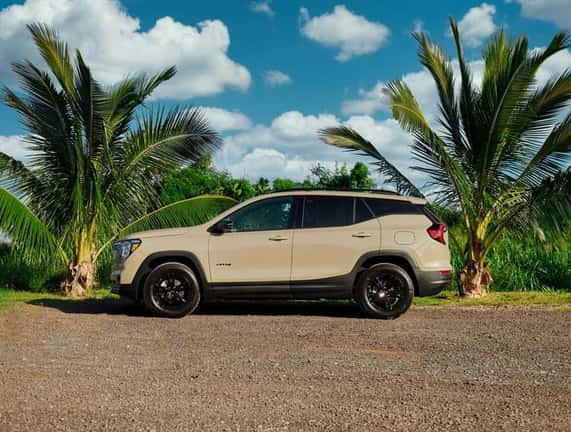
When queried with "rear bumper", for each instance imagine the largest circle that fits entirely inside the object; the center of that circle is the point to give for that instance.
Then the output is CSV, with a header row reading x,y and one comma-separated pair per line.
x,y
432,282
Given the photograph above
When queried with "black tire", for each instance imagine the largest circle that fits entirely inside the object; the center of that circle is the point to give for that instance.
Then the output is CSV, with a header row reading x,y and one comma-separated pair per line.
x,y
384,291
171,290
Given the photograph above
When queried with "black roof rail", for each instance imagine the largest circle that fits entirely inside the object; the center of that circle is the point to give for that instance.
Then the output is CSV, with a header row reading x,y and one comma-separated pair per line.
x,y
317,189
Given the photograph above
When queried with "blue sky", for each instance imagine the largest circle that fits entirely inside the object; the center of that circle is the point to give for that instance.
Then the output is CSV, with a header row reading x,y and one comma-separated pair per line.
x,y
270,73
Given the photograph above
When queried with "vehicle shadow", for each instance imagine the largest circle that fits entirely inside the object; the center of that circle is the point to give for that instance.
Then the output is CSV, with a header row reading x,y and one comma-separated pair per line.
x,y
92,306
345,309
327,308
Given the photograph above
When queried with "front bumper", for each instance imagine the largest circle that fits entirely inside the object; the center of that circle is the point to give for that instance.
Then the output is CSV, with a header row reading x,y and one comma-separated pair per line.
x,y
432,282
124,290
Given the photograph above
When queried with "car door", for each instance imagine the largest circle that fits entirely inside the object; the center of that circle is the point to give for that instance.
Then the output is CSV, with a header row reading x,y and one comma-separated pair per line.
x,y
257,251
335,232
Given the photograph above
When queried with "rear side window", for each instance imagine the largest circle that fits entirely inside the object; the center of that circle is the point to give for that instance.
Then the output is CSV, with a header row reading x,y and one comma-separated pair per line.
x,y
385,207
321,212
362,212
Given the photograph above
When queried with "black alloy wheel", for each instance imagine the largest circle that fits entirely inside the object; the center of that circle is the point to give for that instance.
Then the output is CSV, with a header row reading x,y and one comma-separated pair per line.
x,y
384,291
171,290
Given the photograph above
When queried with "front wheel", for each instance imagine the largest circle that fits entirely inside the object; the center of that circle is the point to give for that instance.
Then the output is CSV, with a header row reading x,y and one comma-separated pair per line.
x,y
384,291
171,290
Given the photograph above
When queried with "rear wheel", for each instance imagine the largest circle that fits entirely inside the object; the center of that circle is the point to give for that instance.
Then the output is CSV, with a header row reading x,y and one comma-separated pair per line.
x,y
384,291
171,290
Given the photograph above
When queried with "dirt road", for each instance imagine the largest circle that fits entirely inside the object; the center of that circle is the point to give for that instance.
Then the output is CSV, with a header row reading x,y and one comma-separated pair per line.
x,y
268,367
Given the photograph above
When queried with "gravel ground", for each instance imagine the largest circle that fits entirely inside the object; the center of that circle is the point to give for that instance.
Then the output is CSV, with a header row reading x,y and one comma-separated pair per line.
x,y
294,367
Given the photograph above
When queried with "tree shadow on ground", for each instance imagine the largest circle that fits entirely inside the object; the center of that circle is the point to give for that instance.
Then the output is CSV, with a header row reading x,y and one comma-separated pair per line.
x,y
345,309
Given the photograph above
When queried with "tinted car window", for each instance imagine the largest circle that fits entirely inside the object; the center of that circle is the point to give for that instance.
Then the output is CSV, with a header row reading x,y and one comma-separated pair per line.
x,y
362,212
270,214
331,211
384,207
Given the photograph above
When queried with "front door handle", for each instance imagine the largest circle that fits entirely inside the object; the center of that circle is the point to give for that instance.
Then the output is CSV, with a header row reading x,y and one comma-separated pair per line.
x,y
278,238
362,234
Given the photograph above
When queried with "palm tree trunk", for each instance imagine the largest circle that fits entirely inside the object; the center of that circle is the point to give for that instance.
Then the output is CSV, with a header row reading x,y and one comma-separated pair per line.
x,y
475,279
82,271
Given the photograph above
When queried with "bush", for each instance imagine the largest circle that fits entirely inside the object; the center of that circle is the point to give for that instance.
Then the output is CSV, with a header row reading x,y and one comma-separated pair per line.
x,y
16,274
524,264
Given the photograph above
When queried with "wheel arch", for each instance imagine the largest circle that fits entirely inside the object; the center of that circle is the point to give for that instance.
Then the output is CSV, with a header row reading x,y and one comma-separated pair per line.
x,y
183,257
392,257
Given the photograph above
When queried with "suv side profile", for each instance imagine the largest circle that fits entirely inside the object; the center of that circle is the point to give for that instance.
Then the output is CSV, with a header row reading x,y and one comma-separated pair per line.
x,y
378,248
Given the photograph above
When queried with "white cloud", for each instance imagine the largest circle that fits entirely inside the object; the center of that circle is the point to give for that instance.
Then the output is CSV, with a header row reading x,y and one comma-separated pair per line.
x,y
558,11
114,45
276,78
14,146
289,146
418,26
271,163
352,34
222,120
262,7
295,125
368,102
477,24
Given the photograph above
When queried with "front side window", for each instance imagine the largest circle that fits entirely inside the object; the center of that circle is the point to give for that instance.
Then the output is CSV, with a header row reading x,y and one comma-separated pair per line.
x,y
321,212
266,215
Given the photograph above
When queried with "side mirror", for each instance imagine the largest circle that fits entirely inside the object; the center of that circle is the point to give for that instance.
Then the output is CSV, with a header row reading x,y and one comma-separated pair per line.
x,y
225,225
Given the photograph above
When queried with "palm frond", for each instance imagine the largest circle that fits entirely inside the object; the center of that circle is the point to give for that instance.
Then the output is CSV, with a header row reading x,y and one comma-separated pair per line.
x,y
29,234
55,53
506,95
535,121
89,101
553,156
17,178
147,84
348,139
468,98
162,139
440,68
429,149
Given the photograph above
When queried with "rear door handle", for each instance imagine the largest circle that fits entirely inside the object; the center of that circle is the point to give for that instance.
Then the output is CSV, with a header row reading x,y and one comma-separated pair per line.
x,y
362,234
278,238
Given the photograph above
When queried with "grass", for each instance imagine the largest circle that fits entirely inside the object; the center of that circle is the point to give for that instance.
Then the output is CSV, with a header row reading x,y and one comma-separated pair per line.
x,y
503,298
559,299
9,297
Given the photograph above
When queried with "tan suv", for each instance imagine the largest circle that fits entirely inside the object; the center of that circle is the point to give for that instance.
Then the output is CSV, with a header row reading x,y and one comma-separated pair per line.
x,y
375,247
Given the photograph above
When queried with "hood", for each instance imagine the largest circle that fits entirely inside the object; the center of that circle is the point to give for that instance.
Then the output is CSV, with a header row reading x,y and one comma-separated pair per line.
x,y
169,232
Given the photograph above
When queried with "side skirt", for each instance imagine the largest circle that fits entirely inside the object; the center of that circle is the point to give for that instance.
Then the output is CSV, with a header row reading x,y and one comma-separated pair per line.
x,y
339,287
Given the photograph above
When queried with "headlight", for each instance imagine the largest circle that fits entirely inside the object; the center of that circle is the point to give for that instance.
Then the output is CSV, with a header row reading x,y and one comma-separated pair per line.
x,y
124,248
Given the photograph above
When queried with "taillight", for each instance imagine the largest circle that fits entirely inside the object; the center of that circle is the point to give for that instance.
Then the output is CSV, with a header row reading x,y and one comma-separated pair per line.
x,y
436,231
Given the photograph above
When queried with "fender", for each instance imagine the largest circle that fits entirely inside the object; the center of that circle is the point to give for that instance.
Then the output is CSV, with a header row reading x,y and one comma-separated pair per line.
x,y
184,257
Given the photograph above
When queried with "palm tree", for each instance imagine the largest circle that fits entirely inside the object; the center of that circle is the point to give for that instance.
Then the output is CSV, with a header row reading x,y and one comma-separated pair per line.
x,y
95,155
499,146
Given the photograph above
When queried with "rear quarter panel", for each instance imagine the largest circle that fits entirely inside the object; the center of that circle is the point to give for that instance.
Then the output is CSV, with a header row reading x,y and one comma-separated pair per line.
x,y
407,234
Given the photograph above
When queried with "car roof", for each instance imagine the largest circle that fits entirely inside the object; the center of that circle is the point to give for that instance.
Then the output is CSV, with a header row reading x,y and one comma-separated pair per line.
x,y
362,193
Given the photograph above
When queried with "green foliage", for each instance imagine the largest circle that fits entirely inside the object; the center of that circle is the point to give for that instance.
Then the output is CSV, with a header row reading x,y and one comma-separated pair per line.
x,y
340,177
529,264
280,184
201,178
